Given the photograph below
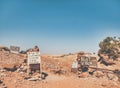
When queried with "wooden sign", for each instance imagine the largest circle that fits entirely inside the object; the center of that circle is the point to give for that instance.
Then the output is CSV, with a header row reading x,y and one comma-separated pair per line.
x,y
88,61
93,61
34,61
14,48
34,58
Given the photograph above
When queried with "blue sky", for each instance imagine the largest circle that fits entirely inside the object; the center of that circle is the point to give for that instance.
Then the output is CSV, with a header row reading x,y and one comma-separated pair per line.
x,y
58,26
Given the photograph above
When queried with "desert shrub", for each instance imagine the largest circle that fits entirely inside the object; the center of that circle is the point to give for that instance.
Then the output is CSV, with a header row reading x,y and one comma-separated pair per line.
x,y
110,46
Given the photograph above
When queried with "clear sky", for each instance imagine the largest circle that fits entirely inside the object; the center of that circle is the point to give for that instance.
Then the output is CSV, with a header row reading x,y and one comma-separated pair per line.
x,y
58,26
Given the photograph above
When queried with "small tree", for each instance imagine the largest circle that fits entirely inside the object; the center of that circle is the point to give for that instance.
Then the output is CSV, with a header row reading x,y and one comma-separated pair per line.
x,y
110,46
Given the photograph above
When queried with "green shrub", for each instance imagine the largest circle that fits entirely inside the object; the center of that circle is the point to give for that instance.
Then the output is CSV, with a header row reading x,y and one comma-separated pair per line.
x,y
111,47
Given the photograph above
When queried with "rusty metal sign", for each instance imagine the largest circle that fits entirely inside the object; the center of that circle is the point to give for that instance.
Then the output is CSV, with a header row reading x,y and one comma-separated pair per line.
x,y
14,48
88,61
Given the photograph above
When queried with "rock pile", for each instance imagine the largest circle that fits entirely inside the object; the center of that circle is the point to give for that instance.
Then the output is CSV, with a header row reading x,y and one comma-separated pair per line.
x,y
1,82
2,85
9,60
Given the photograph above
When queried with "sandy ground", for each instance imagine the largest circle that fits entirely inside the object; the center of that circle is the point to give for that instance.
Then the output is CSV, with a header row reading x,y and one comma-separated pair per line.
x,y
68,80
15,80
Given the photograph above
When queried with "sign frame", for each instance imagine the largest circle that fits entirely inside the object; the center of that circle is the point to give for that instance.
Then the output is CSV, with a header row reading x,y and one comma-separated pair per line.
x,y
34,59
88,61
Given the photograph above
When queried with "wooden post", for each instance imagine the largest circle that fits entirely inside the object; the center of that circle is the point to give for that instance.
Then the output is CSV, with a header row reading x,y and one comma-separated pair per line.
x,y
27,64
40,68
28,70
28,67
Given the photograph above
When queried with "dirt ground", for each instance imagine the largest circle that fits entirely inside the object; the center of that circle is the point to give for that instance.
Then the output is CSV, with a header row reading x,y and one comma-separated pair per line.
x,y
14,79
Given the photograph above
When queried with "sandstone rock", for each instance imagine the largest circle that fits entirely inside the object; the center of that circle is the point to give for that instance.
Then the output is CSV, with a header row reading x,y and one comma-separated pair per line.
x,y
112,77
99,74
22,69
3,75
33,79
4,86
2,70
1,82
18,70
83,75
22,72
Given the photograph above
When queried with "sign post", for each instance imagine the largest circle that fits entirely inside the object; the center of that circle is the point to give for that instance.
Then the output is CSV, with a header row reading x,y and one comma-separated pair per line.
x,y
84,62
34,61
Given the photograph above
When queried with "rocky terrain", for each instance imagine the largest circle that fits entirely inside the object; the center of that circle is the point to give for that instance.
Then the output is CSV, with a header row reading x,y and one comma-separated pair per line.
x,y
57,73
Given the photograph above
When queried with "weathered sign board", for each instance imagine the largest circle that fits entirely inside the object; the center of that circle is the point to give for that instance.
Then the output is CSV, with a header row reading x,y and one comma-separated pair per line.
x,y
75,64
88,61
34,61
74,67
14,49
34,58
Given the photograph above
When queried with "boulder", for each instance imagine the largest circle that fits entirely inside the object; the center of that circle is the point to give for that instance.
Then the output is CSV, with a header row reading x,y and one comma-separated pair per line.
x,y
99,74
4,86
33,79
2,70
3,75
112,77
1,82
83,75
